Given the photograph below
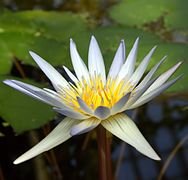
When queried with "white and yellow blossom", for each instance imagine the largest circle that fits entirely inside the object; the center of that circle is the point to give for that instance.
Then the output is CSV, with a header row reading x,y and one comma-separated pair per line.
x,y
94,99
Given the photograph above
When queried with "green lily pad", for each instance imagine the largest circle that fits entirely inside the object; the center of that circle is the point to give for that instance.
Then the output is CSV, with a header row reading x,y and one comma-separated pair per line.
x,y
55,52
140,12
46,33
51,24
21,111
176,19
5,58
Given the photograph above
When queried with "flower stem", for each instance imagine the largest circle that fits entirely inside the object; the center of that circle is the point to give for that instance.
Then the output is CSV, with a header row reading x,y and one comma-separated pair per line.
x,y
108,157
104,154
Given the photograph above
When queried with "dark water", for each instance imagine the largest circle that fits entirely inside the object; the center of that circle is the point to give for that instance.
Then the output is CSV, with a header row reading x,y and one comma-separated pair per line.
x,y
163,122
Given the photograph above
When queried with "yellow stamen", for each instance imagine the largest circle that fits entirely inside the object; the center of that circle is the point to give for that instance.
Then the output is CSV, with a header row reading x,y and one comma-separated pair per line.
x,y
95,93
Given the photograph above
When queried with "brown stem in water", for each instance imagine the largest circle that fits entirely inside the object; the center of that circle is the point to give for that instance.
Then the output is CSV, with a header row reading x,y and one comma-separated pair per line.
x,y
104,154
108,157
19,68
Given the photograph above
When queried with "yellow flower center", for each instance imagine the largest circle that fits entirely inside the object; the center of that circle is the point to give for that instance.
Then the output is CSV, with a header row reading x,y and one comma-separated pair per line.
x,y
95,93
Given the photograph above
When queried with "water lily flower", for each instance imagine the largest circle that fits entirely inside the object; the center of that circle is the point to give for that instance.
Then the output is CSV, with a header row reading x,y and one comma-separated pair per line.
x,y
94,99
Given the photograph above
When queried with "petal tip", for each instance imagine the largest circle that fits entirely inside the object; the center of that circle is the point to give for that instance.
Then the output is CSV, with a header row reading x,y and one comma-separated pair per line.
x,y
32,53
19,160
154,47
122,41
16,162
137,39
93,39
7,81
71,41
156,157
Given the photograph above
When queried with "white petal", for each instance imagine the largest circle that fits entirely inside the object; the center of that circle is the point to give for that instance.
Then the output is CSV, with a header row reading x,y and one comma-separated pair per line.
x,y
84,106
163,78
51,91
120,104
78,64
36,93
124,128
71,113
85,126
13,85
71,76
128,67
143,86
59,135
118,61
102,112
136,94
95,60
147,97
137,75
150,74
55,77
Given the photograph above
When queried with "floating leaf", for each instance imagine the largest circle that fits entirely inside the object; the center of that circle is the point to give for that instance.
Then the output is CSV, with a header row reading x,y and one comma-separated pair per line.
x,y
46,33
51,24
140,12
5,58
52,50
176,18
22,112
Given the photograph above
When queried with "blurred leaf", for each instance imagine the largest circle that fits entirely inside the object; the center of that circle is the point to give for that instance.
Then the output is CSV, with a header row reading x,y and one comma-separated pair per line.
x,y
46,33
55,25
140,12
52,50
5,58
176,19
22,112
1,134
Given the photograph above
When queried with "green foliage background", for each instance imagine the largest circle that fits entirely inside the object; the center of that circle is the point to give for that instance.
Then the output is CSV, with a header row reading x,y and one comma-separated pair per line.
x,y
47,33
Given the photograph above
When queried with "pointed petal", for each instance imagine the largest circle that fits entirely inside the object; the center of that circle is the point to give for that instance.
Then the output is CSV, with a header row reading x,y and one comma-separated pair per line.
x,y
163,78
150,74
55,77
95,60
120,104
51,91
136,94
84,106
143,86
118,61
147,97
36,93
85,126
71,75
59,135
124,128
78,64
128,67
15,86
71,113
137,75
102,112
